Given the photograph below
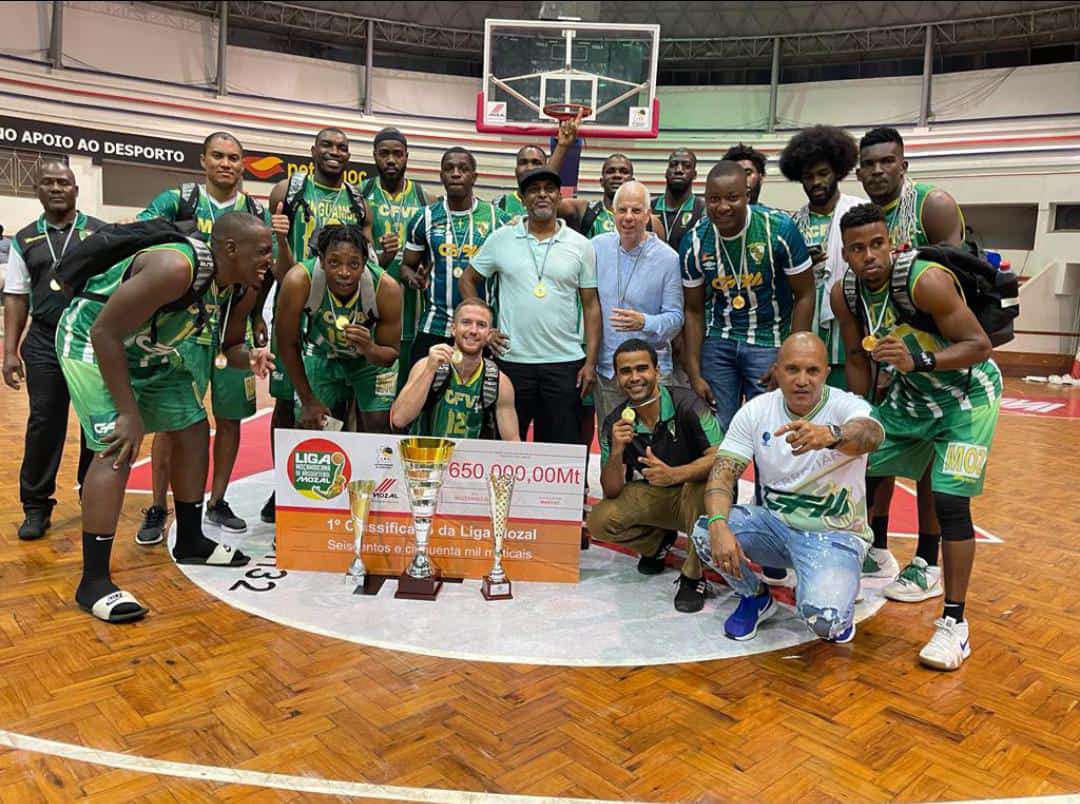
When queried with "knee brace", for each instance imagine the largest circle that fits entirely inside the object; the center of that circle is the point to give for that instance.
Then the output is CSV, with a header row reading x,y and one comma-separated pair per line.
x,y
954,514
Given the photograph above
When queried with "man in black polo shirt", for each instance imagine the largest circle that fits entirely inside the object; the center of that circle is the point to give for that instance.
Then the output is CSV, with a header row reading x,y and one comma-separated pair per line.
x,y
656,450
36,248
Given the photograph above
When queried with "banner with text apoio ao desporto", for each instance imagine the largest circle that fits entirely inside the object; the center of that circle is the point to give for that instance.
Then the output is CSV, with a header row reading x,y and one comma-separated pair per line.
x,y
314,529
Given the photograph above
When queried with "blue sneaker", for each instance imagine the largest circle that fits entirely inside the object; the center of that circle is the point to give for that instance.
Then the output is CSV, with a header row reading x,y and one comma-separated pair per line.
x,y
844,636
751,612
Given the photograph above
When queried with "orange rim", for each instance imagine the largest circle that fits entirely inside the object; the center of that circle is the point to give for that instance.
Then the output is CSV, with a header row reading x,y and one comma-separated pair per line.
x,y
567,111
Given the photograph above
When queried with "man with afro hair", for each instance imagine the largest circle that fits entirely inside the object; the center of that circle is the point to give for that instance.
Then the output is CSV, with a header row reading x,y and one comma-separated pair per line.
x,y
820,158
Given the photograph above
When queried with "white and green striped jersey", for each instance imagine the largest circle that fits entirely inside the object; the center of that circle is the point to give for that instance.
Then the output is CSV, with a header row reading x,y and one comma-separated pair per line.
x,y
929,394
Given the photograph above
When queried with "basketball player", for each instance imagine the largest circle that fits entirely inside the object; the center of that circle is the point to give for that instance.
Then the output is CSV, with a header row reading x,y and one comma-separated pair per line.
x,y
457,392
917,215
753,162
820,158
116,343
533,157
334,343
679,209
441,239
393,200
302,205
232,391
940,410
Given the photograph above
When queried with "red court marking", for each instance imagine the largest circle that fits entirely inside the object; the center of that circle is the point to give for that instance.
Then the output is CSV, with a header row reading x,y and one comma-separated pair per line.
x,y
1063,407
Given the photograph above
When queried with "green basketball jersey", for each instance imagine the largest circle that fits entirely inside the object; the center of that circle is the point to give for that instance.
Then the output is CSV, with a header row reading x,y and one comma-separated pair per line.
x,y
904,217
456,413
167,205
605,222
321,335
392,214
329,205
928,394
172,327
512,205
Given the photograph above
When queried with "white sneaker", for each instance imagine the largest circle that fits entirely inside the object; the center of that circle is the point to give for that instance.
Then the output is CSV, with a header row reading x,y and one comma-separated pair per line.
x,y
949,645
915,583
879,563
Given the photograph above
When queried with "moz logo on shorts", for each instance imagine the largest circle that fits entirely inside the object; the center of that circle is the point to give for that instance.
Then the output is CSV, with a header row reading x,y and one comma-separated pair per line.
x,y
964,460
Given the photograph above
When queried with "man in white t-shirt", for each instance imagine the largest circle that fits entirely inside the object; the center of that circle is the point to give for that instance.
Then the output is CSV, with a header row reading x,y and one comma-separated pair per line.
x,y
809,443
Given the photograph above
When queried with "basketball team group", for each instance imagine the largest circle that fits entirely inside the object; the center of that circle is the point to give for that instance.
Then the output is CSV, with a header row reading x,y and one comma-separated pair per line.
x,y
701,336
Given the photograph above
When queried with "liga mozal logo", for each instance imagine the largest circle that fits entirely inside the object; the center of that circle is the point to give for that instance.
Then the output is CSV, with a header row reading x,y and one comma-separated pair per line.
x,y
319,469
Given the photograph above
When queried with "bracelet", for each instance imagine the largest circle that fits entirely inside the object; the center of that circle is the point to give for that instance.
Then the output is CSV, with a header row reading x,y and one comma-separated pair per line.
x,y
924,361
716,518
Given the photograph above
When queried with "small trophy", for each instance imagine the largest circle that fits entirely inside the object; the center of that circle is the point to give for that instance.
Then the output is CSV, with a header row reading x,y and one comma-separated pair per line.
x,y
360,492
424,460
496,585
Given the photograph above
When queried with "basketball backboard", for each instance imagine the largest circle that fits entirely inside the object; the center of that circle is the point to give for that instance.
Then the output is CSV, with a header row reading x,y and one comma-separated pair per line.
x,y
532,64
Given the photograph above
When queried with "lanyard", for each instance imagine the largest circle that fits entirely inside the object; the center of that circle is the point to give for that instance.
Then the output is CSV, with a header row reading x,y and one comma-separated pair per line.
x,y
52,251
869,318
720,247
450,237
542,267
669,222
350,305
622,291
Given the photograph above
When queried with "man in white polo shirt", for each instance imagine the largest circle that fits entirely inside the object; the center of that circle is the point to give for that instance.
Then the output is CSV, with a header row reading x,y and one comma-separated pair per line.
x,y
809,443
545,270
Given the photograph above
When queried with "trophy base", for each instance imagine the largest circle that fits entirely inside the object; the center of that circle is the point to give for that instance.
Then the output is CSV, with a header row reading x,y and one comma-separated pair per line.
x,y
410,588
371,584
495,591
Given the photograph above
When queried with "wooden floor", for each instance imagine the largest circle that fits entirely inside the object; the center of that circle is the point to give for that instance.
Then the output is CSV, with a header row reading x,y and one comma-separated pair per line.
x,y
199,682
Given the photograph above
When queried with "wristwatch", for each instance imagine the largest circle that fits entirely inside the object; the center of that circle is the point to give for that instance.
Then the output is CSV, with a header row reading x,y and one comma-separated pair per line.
x,y
837,433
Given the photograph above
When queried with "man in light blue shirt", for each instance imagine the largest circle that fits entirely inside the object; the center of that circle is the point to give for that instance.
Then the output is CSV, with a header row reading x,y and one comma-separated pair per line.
x,y
640,288
547,308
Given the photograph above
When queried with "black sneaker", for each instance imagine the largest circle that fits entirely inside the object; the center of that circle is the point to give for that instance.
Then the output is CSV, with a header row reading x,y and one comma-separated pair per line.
x,y
152,530
222,515
690,594
654,564
34,526
268,513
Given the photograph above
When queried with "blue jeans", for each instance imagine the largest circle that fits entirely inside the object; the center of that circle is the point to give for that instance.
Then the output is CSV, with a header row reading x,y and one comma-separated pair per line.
x,y
828,564
732,369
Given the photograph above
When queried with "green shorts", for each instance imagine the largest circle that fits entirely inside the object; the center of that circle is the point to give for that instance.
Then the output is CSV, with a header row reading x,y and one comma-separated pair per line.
x,y
232,390
337,381
169,398
958,443
281,386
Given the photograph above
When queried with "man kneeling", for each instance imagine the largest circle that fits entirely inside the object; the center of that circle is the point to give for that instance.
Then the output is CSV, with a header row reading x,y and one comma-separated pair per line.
x,y
456,392
655,452
809,443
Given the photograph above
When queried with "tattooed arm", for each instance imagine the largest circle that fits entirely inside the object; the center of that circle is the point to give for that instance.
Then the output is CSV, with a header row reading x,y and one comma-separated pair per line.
x,y
859,436
720,488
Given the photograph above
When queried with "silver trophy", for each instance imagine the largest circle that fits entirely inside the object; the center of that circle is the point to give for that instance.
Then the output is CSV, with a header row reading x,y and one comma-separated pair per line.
x,y
424,460
496,585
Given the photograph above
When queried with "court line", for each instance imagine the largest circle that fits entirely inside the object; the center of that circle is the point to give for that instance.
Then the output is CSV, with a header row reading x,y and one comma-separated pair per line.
x,y
277,781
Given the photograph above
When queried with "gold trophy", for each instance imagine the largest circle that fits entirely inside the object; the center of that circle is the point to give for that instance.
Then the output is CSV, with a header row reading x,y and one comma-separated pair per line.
x,y
360,493
424,460
496,585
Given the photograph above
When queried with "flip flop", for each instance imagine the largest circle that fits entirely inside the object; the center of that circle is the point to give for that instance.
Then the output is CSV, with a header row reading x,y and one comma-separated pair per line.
x,y
105,608
223,556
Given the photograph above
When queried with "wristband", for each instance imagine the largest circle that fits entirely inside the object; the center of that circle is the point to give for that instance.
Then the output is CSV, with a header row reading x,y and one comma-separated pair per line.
x,y
716,518
924,361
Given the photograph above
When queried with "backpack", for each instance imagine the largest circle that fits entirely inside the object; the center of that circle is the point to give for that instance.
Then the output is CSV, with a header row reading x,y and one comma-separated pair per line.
x,y
294,198
992,295
489,396
368,293
189,203
116,242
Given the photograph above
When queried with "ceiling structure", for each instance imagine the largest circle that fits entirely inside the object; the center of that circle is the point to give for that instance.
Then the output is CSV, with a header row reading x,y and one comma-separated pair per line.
x,y
698,34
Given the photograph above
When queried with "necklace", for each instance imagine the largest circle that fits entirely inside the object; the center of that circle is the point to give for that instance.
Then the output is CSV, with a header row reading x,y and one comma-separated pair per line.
x,y
450,267
738,301
540,291
620,289
340,319
63,248
670,222
221,361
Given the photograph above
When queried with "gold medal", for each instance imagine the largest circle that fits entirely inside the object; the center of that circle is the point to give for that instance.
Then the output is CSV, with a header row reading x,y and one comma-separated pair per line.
x,y
457,272
221,361
738,302
628,415
54,285
456,357
539,291
868,343
341,322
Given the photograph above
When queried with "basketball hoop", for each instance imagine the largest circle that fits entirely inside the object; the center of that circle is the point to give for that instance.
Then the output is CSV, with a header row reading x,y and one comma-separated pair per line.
x,y
567,111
